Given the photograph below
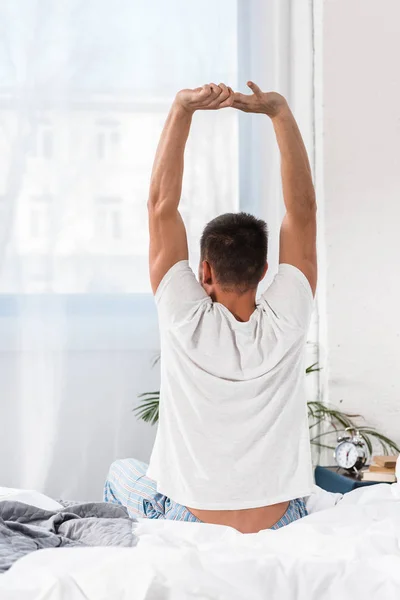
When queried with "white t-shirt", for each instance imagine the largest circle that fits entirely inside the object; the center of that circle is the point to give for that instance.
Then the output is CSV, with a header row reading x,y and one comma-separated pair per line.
x,y
233,430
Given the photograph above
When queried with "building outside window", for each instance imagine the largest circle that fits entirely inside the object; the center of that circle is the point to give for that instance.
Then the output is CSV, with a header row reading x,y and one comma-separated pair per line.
x,y
43,141
108,218
108,139
40,216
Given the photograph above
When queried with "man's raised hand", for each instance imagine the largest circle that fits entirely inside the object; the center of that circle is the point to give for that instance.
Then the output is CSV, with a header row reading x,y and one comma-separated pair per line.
x,y
268,103
214,97
207,97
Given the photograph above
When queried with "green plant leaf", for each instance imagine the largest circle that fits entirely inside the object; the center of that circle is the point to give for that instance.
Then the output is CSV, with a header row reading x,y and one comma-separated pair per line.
x,y
316,423
367,442
312,369
156,360
147,410
388,446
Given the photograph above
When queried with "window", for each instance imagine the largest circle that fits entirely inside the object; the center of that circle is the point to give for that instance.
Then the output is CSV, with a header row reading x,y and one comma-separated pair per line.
x,y
108,139
108,219
109,87
42,142
116,225
40,216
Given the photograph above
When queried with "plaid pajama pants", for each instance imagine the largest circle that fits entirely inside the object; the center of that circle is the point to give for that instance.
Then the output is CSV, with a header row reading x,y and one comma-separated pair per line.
x,y
128,484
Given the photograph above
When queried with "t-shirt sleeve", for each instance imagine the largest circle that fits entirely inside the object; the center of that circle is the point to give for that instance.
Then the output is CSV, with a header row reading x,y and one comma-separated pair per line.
x,y
290,297
179,296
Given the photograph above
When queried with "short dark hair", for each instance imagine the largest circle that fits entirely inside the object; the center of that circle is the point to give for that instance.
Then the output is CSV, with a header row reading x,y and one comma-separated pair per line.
x,y
236,246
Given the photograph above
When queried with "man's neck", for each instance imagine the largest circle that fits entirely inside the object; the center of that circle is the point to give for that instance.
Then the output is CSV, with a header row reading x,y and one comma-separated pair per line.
x,y
241,306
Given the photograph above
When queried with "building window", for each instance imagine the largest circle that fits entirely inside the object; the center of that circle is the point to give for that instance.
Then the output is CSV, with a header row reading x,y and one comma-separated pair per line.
x,y
43,141
108,138
108,218
101,144
116,225
40,216
47,143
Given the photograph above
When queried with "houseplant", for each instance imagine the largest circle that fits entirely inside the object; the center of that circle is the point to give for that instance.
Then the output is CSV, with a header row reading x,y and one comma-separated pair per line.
x,y
324,422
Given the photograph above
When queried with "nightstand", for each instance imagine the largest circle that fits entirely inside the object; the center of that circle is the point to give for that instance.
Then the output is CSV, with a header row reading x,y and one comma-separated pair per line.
x,y
335,479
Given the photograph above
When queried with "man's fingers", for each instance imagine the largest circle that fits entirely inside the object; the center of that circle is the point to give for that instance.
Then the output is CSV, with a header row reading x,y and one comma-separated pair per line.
x,y
227,96
210,99
206,89
224,92
214,99
212,96
222,100
216,90
254,88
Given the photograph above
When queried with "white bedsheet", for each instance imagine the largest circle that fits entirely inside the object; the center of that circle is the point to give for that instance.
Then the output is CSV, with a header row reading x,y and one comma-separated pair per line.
x,y
350,551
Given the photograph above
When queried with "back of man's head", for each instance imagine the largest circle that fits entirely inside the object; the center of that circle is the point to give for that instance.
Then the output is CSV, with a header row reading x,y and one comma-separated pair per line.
x,y
235,245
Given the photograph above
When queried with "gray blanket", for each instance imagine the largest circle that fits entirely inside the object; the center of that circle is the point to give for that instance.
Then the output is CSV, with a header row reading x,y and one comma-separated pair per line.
x,y
25,528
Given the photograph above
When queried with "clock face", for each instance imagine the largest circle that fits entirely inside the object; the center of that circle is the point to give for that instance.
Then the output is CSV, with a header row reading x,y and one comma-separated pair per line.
x,y
346,455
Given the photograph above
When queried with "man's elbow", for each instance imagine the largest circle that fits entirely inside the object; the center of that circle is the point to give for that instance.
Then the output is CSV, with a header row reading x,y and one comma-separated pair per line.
x,y
157,205
309,205
304,210
155,200
309,198
309,216
152,202
313,207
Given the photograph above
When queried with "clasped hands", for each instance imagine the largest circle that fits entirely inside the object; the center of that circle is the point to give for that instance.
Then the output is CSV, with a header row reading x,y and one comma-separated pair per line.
x,y
214,97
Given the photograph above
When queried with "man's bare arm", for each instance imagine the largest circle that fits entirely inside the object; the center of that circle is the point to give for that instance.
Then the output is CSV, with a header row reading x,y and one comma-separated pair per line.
x,y
298,231
168,243
299,227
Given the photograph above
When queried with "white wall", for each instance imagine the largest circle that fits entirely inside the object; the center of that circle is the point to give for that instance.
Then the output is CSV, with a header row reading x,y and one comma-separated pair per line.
x,y
361,144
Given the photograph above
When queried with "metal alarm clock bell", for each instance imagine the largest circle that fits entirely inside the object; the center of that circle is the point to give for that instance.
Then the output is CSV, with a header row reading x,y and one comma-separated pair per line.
x,y
351,451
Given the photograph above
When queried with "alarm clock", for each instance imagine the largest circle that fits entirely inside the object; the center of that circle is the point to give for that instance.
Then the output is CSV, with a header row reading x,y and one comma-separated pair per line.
x,y
351,452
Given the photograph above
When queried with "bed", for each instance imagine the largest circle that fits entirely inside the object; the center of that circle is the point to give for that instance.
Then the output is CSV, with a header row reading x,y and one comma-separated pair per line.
x,y
351,549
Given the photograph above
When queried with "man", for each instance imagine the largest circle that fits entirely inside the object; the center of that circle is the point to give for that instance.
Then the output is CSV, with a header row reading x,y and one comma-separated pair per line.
x,y
232,445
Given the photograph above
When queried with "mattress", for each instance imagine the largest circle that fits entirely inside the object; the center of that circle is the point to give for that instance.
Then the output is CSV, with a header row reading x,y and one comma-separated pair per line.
x,y
350,550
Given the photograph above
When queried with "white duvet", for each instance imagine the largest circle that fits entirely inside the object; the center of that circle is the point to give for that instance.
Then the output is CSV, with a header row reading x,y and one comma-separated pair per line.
x,y
347,552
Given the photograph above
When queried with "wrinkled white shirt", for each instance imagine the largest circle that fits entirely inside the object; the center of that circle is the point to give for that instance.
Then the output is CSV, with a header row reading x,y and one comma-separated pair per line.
x,y
233,429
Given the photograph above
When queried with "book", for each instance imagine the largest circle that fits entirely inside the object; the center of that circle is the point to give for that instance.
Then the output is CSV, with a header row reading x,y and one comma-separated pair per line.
x,y
379,477
385,461
379,469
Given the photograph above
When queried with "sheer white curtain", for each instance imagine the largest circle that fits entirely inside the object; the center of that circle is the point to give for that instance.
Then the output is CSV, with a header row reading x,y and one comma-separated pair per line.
x,y
85,86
